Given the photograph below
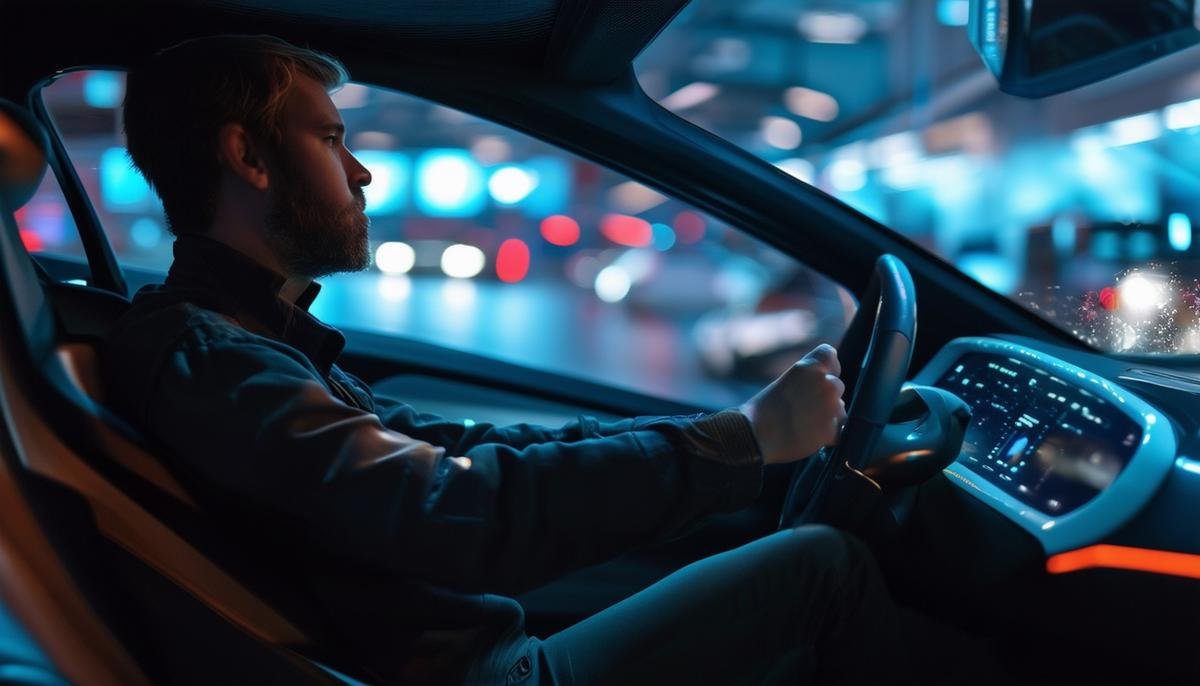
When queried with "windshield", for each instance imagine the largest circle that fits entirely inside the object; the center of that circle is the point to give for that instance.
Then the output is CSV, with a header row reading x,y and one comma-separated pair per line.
x,y
1079,206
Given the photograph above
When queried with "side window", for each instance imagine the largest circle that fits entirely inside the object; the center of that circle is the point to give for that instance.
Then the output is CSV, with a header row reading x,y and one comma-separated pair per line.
x,y
46,224
496,243
85,107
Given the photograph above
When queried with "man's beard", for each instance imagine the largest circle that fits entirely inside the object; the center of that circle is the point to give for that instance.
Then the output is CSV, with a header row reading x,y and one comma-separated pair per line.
x,y
313,240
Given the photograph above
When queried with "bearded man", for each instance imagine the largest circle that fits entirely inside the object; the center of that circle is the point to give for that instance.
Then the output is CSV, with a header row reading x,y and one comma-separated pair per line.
x,y
412,529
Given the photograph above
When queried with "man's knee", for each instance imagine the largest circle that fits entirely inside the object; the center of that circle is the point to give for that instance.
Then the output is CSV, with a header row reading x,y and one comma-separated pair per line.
x,y
840,559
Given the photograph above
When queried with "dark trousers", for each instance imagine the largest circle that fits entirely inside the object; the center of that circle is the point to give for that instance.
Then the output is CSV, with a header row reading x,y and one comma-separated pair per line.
x,y
805,605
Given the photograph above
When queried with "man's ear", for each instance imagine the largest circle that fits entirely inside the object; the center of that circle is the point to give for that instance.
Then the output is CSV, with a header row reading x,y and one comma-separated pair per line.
x,y
241,153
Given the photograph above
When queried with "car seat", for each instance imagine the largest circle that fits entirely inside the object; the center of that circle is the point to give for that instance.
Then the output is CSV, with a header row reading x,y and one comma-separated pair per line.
x,y
109,510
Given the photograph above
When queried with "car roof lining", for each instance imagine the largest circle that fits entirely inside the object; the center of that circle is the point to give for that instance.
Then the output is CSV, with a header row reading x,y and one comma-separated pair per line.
x,y
573,42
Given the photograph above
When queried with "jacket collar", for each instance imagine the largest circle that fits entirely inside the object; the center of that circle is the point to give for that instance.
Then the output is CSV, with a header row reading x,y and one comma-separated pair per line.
x,y
221,278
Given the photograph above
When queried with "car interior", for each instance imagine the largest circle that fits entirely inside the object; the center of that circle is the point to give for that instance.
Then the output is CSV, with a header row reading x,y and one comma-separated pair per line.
x,y
110,573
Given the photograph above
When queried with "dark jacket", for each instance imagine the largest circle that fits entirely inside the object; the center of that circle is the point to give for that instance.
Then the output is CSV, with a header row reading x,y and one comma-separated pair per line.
x,y
241,390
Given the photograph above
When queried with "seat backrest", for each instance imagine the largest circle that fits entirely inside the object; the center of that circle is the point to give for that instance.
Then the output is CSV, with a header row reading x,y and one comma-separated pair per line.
x,y
62,432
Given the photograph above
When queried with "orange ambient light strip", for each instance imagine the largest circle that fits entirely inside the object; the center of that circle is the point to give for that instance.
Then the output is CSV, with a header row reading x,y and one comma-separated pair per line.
x,y
1123,557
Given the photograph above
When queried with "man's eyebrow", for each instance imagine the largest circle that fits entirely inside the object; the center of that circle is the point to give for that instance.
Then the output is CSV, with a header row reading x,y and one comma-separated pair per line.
x,y
336,127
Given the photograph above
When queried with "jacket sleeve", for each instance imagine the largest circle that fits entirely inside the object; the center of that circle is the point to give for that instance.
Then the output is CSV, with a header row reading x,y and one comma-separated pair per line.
x,y
731,433
253,420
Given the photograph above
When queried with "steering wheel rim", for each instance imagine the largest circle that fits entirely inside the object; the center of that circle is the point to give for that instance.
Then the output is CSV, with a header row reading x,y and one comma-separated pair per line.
x,y
881,376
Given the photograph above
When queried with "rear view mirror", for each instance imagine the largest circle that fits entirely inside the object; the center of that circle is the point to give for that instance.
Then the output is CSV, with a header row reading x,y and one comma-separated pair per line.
x,y
1037,48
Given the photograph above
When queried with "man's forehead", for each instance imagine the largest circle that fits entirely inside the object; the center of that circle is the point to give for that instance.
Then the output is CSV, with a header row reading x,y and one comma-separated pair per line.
x,y
308,104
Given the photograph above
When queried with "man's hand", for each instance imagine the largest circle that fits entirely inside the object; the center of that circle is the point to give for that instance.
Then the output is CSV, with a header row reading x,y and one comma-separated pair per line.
x,y
800,411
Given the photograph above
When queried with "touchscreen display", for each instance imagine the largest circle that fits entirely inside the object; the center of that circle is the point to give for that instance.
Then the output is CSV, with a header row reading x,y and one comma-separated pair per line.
x,y
1038,436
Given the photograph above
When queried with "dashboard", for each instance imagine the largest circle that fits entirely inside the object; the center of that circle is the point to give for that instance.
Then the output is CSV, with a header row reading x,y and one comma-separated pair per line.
x,y
1056,448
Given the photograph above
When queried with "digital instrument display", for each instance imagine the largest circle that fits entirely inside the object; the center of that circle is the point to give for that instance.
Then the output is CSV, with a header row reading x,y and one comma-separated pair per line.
x,y
1040,438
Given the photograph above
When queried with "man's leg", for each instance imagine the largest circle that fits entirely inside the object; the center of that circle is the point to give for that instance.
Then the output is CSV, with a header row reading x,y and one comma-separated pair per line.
x,y
739,617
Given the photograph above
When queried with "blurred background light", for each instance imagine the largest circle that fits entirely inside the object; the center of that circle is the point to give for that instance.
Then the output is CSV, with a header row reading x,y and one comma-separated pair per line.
x,y
953,12
635,198
1063,233
612,284
1183,115
781,132
512,260
350,96
662,236
1136,129
146,233
390,173
552,192
103,89
623,229
449,184
1141,294
903,177
896,149
638,264
799,168
811,104
1142,245
690,95
831,27
582,269
847,175
689,227
989,269
31,240
395,257
121,186
462,261
394,287
371,140
511,184
560,229
489,150
1179,231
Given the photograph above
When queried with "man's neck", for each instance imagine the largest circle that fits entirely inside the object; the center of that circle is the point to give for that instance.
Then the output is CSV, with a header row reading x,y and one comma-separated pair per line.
x,y
294,285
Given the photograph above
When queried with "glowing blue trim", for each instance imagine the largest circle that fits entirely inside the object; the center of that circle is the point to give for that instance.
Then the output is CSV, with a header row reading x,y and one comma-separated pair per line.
x,y
1112,507
1187,464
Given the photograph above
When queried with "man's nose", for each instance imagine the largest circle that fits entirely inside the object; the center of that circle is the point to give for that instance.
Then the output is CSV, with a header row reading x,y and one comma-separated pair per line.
x,y
358,174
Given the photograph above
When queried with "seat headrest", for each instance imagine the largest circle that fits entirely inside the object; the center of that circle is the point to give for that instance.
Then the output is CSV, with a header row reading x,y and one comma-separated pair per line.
x,y
23,146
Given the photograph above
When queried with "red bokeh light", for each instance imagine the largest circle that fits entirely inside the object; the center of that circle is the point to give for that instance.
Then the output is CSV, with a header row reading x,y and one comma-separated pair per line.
x,y
689,226
1108,298
559,229
32,241
623,229
512,260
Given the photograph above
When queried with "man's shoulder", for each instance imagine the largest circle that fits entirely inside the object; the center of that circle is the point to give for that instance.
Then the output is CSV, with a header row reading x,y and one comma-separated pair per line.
x,y
158,320
160,324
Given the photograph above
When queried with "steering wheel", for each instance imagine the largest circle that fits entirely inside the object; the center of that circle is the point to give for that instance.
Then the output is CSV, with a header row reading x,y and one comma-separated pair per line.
x,y
830,486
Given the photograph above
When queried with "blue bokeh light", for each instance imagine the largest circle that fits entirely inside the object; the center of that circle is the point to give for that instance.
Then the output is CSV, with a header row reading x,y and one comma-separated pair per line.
x,y
1179,231
102,89
391,173
989,269
121,186
146,233
662,237
449,183
553,189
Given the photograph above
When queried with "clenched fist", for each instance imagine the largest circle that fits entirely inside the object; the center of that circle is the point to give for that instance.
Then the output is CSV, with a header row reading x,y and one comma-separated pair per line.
x,y
800,411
